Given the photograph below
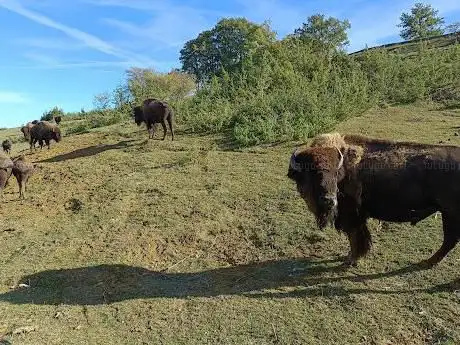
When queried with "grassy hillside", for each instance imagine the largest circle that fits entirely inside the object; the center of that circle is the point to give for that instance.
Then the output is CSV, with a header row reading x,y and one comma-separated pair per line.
x,y
411,47
130,241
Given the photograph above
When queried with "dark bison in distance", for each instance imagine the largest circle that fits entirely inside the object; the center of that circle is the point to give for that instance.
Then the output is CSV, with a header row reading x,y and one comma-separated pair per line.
x,y
154,111
57,119
44,131
348,179
6,145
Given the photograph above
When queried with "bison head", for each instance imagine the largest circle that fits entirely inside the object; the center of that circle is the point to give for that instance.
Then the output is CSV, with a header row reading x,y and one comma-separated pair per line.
x,y
315,170
138,115
26,131
56,134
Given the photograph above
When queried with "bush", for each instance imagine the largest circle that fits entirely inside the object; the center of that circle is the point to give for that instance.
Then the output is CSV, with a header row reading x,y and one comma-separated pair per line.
x,y
291,91
286,92
96,119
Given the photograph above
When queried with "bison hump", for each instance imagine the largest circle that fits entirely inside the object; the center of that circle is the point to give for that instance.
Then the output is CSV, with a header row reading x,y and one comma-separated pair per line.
x,y
5,162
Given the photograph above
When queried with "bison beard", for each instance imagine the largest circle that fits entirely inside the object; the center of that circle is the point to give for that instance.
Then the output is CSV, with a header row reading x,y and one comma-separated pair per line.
x,y
325,216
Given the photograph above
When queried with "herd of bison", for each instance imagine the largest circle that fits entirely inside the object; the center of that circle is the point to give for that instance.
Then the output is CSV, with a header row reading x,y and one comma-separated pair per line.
x,y
343,179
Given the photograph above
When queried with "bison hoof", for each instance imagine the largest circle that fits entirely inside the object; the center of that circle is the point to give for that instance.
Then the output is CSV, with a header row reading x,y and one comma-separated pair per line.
x,y
427,264
350,262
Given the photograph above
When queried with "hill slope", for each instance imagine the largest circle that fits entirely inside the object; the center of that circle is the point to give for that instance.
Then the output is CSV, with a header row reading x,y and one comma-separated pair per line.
x,y
130,241
411,47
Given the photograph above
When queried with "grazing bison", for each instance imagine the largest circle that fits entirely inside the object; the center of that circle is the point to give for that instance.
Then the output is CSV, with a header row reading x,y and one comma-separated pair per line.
x,y
347,179
6,168
154,111
57,119
6,144
44,131
22,170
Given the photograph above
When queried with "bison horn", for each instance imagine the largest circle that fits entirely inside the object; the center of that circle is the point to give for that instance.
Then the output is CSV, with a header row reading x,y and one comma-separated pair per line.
x,y
293,163
341,160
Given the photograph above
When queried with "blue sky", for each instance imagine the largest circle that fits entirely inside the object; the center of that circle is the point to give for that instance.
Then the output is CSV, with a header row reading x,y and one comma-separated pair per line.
x,y
57,52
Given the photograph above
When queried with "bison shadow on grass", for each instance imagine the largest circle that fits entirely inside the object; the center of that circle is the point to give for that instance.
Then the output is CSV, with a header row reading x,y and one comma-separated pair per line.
x,y
88,151
107,284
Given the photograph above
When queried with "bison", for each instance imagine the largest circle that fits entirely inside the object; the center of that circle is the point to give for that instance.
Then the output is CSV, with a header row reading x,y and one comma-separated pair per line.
x,y
6,168
44,131
347,179
57,119
26,130
6,144
153,111
22,170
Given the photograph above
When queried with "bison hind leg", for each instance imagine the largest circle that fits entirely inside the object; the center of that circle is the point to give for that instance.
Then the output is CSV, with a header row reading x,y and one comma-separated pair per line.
x,y
451,230
165,130
169,119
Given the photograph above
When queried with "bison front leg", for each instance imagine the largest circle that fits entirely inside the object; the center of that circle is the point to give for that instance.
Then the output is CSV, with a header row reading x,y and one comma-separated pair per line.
x,y
451,229
151,130
47,141
360,243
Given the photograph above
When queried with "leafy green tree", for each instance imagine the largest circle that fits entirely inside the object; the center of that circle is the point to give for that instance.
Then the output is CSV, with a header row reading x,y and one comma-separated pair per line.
x,y
453,28
102,100
224,47
144,83
422,21
49,115
329,32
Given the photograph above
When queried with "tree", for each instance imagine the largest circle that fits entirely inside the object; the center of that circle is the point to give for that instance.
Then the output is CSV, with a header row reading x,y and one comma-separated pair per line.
x,y
422,21
452,28
144,83
224,47
50,114
330,32
121,97
102,101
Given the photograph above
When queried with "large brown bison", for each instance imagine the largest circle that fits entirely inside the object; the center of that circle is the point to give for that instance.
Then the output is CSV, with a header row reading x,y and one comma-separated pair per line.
x,y
154,111
22,170
6,168
44,131
345,180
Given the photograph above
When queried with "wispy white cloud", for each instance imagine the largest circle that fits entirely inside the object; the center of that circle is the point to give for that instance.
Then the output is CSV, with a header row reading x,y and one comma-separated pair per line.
x,y
44,62
171,24
87,39
50,44
12,97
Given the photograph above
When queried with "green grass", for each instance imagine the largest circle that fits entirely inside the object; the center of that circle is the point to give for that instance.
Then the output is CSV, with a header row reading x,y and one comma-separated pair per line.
x,y
412,47
129,241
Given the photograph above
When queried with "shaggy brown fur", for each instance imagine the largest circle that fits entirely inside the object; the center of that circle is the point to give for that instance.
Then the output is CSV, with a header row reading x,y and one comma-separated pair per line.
x,y
6,144
44,131
382,179
57,119
22,170
6,168
26,130
154,111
